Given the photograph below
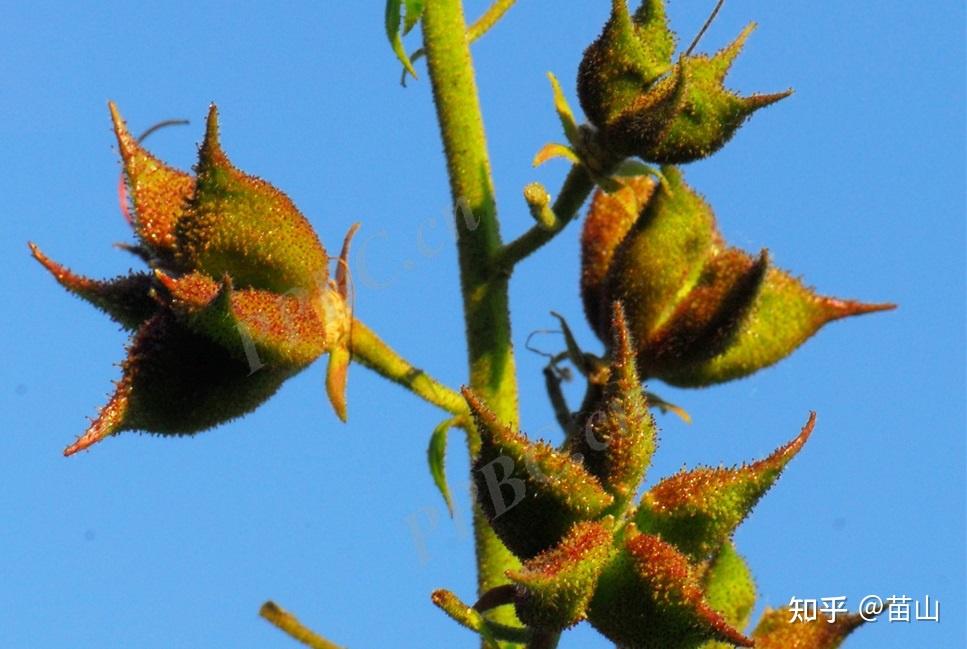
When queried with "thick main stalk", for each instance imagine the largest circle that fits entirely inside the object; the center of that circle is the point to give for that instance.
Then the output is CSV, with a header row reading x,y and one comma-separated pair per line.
x,y
485,305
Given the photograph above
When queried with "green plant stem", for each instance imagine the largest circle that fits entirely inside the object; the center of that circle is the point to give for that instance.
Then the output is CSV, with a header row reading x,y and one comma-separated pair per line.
x,y
486,313
369,349
289,624
576,189
472,619
485,302
480,27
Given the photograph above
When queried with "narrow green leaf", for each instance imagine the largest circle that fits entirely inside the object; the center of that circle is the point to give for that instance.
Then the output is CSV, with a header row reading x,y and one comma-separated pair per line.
x,y
393,8
665,407
554,150
414,11
393,19
436,456
564,112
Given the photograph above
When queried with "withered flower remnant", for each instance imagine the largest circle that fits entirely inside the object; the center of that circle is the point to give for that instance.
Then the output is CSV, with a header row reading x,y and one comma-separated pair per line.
x,y
238,297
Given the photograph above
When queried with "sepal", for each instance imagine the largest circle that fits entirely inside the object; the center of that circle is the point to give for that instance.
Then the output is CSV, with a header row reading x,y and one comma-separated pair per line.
x,y
698,510
776,631
555,587
617,436
609,220
159,194
662,255
282,329
176,382
552,491
729,587
241,226
783,315
707,321
630,54
125,299
649,597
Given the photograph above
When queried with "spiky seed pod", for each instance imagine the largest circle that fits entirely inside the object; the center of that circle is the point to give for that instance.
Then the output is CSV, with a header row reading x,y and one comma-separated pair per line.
x,y
239,300
649,597
644,105
700,311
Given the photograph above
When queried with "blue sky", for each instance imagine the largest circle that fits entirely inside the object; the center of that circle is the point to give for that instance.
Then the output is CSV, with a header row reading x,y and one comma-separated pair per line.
x,y
856,182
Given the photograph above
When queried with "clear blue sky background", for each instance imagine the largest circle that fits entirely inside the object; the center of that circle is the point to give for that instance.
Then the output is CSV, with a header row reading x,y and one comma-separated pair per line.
x,y
856,182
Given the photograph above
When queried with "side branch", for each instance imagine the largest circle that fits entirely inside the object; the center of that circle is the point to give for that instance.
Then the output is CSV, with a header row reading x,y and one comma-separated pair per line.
x,y
289,624
369,350
489,18
576,189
